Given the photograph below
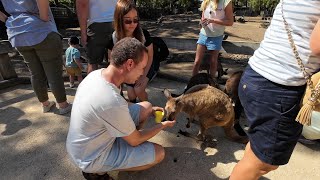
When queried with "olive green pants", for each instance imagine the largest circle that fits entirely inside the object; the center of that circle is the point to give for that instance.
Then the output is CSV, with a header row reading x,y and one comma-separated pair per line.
x,y
44,61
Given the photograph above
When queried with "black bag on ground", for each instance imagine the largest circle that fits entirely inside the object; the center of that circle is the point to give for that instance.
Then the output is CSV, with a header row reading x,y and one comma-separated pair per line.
x,y
160,52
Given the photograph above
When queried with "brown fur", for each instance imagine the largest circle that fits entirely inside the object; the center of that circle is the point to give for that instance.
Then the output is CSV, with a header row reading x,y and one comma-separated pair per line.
x,y
210,105
205,66
200,78
231,89
232,84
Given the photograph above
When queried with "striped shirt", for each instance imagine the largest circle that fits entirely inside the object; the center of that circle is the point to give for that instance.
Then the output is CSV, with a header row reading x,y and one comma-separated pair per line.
x,y
274,59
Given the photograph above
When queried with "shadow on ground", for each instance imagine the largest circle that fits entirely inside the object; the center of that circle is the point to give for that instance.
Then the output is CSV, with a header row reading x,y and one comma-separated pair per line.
x,y
12,122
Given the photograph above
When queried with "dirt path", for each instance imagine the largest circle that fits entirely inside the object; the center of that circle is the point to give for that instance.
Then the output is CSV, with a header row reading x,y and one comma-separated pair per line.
x,y
187,26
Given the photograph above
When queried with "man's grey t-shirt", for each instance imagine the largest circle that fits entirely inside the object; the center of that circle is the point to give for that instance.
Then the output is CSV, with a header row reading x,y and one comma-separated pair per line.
x,y
99,115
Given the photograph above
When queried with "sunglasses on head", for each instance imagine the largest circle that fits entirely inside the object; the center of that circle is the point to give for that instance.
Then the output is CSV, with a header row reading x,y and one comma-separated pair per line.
x,y
129,21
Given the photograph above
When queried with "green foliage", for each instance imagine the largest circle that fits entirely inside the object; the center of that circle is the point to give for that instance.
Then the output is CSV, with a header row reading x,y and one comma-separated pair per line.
x,y
257,5
167,3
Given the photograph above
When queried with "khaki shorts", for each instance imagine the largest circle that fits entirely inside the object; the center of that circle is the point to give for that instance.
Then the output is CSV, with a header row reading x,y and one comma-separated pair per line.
x,y
73,71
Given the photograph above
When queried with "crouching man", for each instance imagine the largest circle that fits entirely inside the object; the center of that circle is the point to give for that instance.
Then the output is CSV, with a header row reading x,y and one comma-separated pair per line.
x,y
104,132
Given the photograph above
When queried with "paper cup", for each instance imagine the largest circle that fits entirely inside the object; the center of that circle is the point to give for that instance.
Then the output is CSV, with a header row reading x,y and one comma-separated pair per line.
x,y
158,116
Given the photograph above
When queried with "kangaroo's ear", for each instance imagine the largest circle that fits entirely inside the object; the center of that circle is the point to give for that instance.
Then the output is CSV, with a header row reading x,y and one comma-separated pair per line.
x,y
167,93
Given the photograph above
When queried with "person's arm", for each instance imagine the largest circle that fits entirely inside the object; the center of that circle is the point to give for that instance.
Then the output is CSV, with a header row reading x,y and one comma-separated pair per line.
x,y
76,58
43,6
78,62
83,14
228,20
138,137
315,40
3,17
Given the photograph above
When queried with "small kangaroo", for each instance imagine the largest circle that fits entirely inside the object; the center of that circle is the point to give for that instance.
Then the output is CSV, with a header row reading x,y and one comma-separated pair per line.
x,y
212,107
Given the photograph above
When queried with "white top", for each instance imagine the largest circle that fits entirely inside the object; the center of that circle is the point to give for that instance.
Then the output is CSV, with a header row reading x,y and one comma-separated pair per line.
x,y
213,29
274,59
99,115
101,11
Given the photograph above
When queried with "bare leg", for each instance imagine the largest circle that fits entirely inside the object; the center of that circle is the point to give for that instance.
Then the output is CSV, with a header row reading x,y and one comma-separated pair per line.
x,y
213,63
71,78
145,113
141,91
160,153
80,78
250,167
197,61
131,93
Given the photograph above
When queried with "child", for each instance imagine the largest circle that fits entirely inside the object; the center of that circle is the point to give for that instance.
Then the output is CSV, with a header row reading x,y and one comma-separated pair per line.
x,y
126,24
73,62
216,14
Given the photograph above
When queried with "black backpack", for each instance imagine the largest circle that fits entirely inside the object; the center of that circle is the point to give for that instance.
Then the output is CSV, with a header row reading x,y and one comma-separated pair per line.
x,y
160,52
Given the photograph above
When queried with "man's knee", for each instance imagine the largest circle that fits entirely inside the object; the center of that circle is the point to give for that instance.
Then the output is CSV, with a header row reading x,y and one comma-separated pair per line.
x,y
146,108
159,153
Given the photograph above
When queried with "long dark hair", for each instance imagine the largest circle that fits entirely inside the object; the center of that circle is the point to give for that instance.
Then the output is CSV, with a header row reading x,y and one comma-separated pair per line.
x,y
122,8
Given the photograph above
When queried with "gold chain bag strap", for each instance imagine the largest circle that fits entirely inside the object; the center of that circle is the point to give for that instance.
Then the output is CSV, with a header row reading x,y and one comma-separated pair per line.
x,y
310,101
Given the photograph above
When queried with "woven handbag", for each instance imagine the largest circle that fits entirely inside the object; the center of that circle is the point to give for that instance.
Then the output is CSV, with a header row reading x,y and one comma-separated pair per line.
x,y
310,101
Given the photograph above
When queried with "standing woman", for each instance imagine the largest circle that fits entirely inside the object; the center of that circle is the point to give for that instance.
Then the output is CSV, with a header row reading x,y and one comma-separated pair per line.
x,y
126,24
32,31
216,14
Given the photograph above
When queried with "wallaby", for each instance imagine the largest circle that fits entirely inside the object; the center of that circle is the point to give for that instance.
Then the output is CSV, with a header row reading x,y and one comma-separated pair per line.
x,y
205,65
210,105
200,78
231,89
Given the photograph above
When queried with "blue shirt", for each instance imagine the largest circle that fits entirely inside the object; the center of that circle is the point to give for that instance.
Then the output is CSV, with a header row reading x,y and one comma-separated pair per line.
x,y
72,54
24,26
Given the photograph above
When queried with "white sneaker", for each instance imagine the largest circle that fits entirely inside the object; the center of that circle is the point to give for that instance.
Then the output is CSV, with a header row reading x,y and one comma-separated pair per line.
x,y
48,108
65,110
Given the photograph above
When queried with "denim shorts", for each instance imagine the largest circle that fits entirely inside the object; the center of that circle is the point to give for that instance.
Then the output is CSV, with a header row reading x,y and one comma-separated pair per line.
x,y
271,110
212,43
124,156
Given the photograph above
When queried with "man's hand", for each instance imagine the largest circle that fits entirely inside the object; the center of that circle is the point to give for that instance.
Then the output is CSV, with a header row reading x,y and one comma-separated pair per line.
x,y
204,22
168,123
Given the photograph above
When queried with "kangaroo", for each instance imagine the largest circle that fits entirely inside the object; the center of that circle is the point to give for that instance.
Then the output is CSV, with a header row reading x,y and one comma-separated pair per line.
x,y
205,65
212,107
231,89
200,78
